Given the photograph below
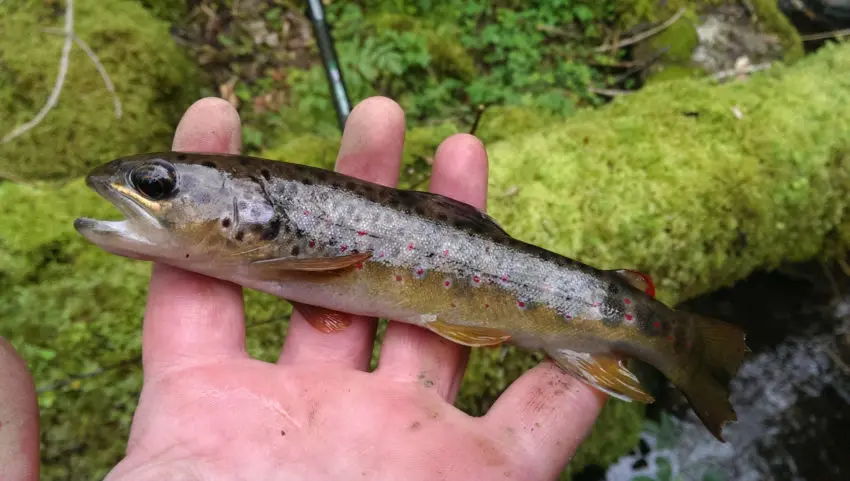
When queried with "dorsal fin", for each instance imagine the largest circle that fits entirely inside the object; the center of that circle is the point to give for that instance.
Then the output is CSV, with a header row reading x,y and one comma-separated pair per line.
x,y
638,279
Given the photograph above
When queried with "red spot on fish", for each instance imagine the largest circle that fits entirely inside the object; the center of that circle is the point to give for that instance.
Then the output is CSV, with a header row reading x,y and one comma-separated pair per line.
x,y
361,233
343,248
419,272
629,317
360,265
382,254
656,325
520,304
627,300
597,304
671,338
312,243
486,306
306,212
398,278
410,246
476,279
569,316
445,252
447,283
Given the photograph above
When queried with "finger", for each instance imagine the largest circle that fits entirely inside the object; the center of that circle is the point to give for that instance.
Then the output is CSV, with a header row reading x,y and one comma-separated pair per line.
x,y
371,149
551,413
412,352
19,435
191,317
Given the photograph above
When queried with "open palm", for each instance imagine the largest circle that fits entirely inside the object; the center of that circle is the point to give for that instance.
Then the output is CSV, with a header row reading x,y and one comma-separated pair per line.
x,y
210,412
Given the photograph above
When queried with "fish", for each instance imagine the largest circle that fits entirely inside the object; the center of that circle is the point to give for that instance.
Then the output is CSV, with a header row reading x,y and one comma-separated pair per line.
x,y
331,243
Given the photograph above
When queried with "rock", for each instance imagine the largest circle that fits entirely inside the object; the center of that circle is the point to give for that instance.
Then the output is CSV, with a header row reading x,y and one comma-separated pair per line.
x,y
711,36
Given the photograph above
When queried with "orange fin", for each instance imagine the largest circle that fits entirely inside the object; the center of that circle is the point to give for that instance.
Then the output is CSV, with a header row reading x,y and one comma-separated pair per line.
x,y
313,264
322,319
605,372
639,280
468,335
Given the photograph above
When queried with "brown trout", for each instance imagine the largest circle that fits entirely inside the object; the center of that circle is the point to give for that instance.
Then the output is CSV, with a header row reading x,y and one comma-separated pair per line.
x,y
320,238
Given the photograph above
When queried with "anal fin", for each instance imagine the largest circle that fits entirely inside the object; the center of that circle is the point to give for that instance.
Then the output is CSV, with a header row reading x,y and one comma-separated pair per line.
x,y
468,335
605,372
324,320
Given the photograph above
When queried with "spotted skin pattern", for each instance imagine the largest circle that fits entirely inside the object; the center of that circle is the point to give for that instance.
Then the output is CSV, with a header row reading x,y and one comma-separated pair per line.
x,y
433,262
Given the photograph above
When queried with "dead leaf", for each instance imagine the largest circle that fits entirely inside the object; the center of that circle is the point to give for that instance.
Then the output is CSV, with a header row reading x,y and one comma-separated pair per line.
x,y
227,91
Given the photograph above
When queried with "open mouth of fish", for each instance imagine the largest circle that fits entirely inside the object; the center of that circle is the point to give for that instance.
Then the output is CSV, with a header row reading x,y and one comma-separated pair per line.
x,y
128,236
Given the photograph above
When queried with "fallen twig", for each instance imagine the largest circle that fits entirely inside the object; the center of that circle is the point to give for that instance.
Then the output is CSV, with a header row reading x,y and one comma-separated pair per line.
x,y
60,77
741,70
644,35
609,92
97,64
824,35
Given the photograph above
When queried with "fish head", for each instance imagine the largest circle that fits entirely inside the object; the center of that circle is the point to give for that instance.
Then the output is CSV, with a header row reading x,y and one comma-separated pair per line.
x,y
177,209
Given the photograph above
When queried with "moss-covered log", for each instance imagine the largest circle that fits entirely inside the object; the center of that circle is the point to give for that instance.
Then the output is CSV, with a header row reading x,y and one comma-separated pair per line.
x,y
696,184
153,78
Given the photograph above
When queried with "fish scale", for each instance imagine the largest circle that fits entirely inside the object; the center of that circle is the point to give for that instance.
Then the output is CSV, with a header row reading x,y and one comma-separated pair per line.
x,y
332,243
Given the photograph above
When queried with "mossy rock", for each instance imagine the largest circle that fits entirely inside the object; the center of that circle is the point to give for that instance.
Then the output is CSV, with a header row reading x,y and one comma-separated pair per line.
x,y
681,40
696,184
153,78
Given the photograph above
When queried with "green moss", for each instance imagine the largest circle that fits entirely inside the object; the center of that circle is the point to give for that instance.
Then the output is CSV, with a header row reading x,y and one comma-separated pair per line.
x,y
773,20
153,78
671,182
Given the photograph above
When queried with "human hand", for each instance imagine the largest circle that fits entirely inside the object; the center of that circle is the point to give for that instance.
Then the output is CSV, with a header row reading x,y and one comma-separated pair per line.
x,y
208,411
19,439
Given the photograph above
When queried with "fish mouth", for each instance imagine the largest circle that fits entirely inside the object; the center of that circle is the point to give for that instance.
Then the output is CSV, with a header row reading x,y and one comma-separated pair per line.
x,y
129,237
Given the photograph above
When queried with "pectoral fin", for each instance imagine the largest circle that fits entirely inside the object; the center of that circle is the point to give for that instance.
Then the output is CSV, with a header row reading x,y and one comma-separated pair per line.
x,y
269,268
467,335
324,320
605,372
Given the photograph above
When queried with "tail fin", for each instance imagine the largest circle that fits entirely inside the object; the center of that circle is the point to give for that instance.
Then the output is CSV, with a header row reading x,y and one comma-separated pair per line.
x,y
713,354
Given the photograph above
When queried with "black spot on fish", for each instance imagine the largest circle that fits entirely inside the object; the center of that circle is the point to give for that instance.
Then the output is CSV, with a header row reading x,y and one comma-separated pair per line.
x,y
336,185
181,157
331,241
271,230
209,164
225,222
295,250
406,197
266,174
240,235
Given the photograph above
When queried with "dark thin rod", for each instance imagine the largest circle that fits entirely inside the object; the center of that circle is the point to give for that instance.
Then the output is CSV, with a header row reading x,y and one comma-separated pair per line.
x,y
329,59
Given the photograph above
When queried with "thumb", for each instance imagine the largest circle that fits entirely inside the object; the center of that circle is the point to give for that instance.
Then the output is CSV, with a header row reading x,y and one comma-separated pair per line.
x,y
19,437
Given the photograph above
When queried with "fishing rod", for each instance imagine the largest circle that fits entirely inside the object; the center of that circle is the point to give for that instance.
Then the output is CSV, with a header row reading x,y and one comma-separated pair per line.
x,y
339,95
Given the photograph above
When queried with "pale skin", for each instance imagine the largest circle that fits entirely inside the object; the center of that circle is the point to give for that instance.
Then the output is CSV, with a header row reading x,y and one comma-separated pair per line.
x,y
208,411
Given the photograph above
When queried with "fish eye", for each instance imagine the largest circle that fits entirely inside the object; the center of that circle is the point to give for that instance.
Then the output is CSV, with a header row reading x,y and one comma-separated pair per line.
x,y
157,180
